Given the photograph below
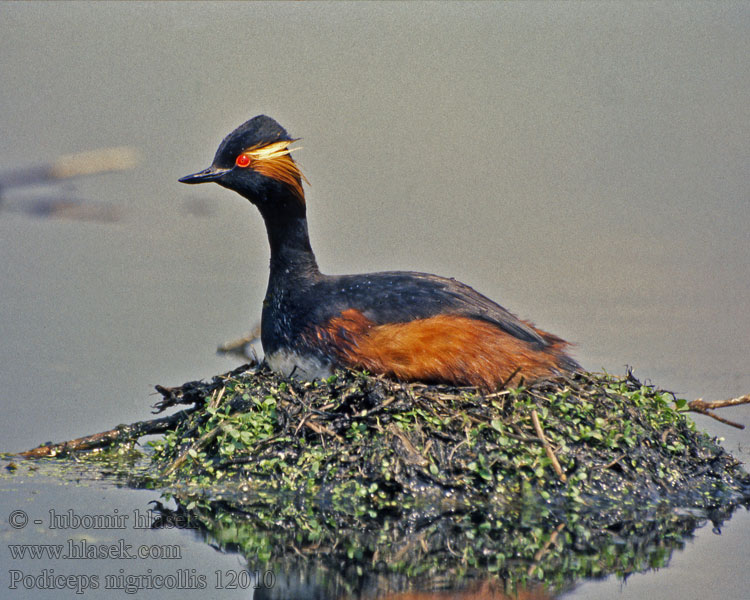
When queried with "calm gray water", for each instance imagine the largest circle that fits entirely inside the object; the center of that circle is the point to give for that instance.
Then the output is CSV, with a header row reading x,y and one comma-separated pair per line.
x,y
586,165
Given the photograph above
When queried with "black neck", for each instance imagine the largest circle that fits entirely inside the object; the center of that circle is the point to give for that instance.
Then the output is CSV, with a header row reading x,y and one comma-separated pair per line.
x,y
291,253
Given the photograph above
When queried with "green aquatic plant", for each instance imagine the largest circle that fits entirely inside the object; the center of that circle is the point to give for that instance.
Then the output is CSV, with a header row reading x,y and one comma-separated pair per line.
x,y
555,481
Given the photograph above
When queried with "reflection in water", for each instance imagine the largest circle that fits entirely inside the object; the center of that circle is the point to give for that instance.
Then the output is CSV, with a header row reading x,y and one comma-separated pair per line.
x,y
76,209
65,208
310,587
541,556
489,589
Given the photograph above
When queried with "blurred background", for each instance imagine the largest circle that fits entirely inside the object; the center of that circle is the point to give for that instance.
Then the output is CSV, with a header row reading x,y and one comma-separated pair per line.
x,y
586,165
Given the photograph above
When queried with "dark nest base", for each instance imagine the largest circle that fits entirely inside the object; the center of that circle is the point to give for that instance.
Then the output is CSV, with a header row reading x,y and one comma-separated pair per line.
x,y
365,477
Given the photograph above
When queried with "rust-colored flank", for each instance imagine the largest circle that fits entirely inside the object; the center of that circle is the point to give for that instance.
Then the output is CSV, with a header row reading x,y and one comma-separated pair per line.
x,y
443,348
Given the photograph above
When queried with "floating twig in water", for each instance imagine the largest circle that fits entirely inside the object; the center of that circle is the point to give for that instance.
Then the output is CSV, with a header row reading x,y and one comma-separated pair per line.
x,y
240,346
120,158
66,167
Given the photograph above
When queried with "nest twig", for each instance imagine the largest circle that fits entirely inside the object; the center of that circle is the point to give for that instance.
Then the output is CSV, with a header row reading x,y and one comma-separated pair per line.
x,y
118,435
547,447
705,408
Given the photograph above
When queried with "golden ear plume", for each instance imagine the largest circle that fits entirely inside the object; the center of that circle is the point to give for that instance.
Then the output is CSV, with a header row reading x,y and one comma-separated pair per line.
x,y
273,160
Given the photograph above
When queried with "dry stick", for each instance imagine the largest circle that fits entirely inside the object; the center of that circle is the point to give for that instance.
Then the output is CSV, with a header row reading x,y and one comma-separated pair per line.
x,y
415,457
238,346
613,462
320,429
302,422
199,444
74,165
547,447
701,403
718,418
109,437
702,407
216,398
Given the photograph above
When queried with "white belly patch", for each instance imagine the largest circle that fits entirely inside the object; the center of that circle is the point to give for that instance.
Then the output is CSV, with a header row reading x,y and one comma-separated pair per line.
x,y
290,364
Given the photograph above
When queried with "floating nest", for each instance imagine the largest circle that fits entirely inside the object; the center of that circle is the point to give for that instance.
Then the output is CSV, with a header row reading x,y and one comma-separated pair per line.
x,y
555,481
393,444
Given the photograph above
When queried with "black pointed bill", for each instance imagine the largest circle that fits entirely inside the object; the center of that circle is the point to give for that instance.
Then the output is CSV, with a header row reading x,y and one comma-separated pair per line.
x,y
204,176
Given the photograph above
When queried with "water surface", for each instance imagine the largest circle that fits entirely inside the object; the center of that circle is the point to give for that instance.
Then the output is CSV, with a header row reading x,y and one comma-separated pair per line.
x,y
586,165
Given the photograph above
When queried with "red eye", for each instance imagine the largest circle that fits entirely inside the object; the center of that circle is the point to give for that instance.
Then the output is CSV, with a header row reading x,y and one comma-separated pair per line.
x,y
243,160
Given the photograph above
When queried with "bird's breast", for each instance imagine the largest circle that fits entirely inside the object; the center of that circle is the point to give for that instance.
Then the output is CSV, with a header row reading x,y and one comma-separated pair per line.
x,y
289,363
